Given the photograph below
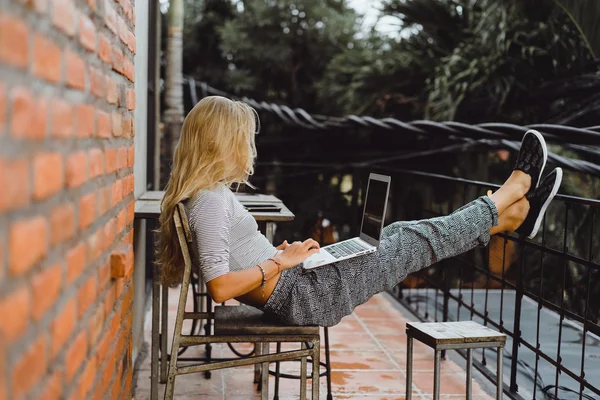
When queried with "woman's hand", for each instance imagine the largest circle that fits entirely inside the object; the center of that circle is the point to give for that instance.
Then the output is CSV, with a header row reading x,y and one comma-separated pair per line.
x,y
283,245
293,254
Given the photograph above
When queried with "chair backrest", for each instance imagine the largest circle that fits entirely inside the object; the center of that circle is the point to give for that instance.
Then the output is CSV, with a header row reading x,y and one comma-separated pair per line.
x,y
184,234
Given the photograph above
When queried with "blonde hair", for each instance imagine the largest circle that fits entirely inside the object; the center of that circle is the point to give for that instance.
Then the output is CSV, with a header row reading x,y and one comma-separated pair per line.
x,y
216,146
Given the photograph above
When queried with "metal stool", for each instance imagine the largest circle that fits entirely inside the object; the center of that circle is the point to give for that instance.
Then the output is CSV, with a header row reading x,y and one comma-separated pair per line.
x,y
452,336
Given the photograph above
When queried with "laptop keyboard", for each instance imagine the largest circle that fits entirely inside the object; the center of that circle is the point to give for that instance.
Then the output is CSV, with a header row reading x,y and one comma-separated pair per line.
x,y
346,248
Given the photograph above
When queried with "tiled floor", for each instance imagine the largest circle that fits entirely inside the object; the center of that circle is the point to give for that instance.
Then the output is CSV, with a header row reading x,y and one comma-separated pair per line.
x,y
368,360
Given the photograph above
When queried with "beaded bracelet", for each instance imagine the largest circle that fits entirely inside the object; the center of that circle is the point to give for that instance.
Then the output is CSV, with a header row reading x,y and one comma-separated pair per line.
x,y
276,262
264,279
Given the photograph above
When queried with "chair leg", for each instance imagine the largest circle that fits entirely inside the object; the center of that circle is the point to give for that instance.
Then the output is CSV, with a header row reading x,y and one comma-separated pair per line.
x,y
170,389
264,386
436,375
316,368
257,352
303,375
277,372
409,357
164,320
328,364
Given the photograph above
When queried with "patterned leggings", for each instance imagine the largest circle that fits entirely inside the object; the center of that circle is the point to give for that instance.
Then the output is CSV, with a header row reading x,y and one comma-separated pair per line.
x,y
324,295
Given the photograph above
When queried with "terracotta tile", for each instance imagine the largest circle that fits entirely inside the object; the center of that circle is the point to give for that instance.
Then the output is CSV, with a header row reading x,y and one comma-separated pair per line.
x,y
378,300
398,342
351,341
450,383
424,360
239,381
360,360
346,325
376,397
366,312
374,382
382,326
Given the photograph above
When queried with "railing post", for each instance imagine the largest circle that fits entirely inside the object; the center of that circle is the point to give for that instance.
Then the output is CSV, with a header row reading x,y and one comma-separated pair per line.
x,y
517,326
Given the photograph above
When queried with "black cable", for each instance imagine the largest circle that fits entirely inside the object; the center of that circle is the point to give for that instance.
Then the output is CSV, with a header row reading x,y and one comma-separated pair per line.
x,y
494,135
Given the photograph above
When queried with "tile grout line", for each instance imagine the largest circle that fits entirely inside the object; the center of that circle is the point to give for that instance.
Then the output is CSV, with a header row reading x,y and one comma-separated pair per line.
x,y
387,353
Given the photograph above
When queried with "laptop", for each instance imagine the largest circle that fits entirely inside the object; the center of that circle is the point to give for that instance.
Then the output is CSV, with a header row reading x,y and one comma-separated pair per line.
x,y
373,218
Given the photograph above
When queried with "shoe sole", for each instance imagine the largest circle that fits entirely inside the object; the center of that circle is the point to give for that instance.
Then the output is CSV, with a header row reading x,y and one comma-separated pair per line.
x,y
544,150
538,221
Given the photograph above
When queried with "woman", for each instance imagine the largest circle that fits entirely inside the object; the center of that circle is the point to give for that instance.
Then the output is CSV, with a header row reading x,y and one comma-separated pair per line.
x,y
217,150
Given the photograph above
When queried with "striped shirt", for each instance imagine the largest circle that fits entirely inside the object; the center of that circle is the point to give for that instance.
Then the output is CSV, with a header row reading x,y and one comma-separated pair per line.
x,y
226,236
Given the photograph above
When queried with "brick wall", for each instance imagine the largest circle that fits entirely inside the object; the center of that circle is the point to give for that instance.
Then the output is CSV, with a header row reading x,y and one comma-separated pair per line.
x,y
66,198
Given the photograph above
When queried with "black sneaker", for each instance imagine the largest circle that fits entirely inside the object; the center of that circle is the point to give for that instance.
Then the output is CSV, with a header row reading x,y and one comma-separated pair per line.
x,y
532,156
538,203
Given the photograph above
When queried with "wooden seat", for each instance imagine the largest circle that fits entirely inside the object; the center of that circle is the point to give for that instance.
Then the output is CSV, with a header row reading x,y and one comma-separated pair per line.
x,y
247,320
453,336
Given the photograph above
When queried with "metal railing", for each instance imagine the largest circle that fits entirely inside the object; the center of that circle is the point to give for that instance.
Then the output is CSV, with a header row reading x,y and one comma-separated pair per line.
x,y
542,293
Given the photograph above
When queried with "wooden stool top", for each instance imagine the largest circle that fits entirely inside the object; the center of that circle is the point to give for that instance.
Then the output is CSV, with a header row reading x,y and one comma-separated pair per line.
x,y
246,320
460,334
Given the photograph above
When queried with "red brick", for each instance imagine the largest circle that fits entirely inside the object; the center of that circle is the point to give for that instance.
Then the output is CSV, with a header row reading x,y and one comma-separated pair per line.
x,y
108,374
86,380
62,223
122,157
48,174
110,16
96,325
128,70
117,192
63,15
109,233
54,387
130,99
2,107
87,210
62,327
123,29
130,212
104,49
85,120
87,33
75,355
28,115
121,220
14,179
117,59
130,156
103,275
75,263
127,126
46,59
41,6
86,296
96,162
103,124
76,169
103,200
97,82
30,369
117,124
109,300
126,7
14,41
15,309
104,349
112,91
111,160
46,287
28,244
62,118
75,71
131,42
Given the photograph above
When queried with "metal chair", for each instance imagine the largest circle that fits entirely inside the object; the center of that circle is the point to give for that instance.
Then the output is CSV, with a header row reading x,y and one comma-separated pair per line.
x,y
238,324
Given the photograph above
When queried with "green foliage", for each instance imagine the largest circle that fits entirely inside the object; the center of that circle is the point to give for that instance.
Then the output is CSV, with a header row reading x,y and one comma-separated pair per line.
x,y
276,48
585,14
465,60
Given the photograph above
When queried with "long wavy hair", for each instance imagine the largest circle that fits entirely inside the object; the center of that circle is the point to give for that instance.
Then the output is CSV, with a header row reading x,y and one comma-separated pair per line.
x,y
216,147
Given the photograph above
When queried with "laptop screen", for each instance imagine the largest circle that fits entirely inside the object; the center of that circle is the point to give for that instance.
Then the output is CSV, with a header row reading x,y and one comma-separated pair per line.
x,y
374,208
